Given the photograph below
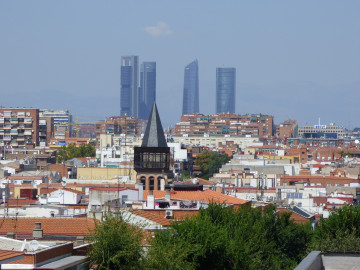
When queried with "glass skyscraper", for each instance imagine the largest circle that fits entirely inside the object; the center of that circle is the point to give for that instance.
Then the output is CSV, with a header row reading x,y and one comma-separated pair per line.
x,y
225,90
147,89
191,88
129,100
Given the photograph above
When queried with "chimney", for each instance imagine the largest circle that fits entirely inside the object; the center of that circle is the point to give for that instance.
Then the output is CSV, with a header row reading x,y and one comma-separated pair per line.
x,y
38,232
10,235
167,195
140,188
150,202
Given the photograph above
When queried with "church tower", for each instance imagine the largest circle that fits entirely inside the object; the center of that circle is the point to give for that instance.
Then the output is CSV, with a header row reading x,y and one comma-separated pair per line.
x,y
152,159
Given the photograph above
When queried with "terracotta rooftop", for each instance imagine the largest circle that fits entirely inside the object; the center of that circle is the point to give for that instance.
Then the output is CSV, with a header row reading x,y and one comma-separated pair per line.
x,y
8,256
50,226
177,214
111,188
84,159
155,218
21,177
20,202
206,196
201,182
51,190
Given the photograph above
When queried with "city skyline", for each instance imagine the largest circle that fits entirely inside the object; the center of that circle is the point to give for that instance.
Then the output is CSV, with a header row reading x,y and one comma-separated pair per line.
x,y
292,61
191,88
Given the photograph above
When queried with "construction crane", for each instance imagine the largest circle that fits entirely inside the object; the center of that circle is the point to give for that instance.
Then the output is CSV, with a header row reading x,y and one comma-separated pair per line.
x,y
76,124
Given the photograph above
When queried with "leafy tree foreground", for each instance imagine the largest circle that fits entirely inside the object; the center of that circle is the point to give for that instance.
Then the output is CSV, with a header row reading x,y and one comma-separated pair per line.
x,y
225,238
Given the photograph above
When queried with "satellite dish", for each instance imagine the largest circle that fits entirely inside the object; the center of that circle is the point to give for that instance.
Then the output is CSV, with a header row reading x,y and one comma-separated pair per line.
x,y
33,245
23,245
63,183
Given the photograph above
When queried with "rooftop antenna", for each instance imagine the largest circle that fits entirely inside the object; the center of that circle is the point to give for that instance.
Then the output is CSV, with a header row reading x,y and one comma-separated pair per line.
x,y
33,245
23,245
63,183
319,121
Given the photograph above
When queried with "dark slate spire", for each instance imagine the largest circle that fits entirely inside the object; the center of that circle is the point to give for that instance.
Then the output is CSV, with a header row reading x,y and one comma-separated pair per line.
x,y
154,133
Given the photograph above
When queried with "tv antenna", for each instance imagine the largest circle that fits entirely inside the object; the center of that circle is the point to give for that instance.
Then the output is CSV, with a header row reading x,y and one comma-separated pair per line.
x,y
23,245
33,245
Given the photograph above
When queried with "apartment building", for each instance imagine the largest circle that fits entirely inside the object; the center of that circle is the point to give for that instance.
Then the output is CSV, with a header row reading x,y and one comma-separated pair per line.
x,y
61,118
19,127
117,125
216,141
287,129
226,124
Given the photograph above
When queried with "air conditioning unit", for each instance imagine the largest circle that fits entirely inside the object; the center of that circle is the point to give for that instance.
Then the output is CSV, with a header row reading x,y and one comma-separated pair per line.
x,y
168,213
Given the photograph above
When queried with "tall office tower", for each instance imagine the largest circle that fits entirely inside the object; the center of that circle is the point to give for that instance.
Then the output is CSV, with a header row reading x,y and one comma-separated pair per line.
x,y
225,90
147,89
191,88
129,100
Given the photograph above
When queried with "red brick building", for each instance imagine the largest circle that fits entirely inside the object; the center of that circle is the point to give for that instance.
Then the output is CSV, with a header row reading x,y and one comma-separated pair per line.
x,y
226,124
287,129
19,127
119,125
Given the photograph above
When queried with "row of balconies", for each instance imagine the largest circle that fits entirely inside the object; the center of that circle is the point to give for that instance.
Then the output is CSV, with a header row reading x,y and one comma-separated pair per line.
x,y
15,132
15,119
14,142
9,126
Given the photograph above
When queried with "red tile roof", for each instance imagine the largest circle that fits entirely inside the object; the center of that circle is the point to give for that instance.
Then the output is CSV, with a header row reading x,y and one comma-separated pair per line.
x,y
111,188
6,255
155,218
51,190
177,214
50,226
206,196
21,177
201,182
20,201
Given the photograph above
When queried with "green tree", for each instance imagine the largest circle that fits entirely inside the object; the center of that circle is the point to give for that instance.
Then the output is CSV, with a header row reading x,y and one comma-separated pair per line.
x,y
72,151
339,232
224,238
165,253
115,244
210,162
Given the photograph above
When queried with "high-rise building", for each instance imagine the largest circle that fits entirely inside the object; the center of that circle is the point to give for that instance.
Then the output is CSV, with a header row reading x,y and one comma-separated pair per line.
x,y
19,128
129,100
191,88
147,89
225,90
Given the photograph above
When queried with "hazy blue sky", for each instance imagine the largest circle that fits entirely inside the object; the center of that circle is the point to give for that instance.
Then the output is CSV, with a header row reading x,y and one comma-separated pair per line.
x,y
294,59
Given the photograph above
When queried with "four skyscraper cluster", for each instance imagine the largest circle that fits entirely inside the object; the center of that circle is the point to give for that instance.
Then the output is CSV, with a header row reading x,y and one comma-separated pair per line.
x,y
137,99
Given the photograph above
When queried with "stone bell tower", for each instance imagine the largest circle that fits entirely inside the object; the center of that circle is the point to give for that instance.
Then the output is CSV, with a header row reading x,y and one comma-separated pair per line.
x,y
152,159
